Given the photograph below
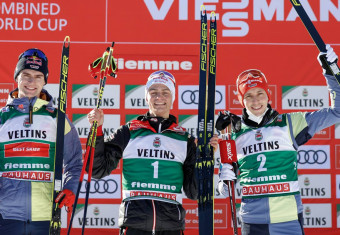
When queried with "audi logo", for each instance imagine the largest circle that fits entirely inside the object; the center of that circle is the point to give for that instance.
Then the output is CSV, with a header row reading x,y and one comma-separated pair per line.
x,y
101,186
312,157
191,97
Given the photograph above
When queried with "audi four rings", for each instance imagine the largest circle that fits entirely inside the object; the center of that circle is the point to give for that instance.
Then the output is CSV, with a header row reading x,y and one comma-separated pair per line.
x,y
191,97
102,186
312,156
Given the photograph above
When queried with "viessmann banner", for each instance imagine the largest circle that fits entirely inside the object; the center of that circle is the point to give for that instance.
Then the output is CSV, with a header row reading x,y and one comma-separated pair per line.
x,y
151,35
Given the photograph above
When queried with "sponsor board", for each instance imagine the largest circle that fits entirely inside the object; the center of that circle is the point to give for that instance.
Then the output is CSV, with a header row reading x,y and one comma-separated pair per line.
x,y
317,215
108,187
188,97
337,156
305,97
53,90
337,179
98,216
234,103
112,122
220,215
5,89
337,131
338,215
86,96
324,134
313,157
189,122
63,219
315,186
135,97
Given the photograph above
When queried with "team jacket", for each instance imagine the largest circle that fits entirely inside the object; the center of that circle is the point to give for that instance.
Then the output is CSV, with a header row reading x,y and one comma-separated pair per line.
x,y
27,158
158,161
267,158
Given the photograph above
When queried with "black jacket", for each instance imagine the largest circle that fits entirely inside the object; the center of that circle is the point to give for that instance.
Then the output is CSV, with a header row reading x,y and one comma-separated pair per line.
x,y
139,214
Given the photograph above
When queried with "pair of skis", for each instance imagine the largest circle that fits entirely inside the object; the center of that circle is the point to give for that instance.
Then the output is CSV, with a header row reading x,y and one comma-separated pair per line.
x,y
206,114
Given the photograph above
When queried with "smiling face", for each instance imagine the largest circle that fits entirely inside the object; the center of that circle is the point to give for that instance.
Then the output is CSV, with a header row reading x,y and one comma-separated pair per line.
x,y
159,99
256,101
30,83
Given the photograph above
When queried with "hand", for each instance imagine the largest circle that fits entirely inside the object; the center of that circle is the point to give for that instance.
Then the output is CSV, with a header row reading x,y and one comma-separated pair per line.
x,y
330,56
226,172
96,115
225,118
65,198
214,142
222,188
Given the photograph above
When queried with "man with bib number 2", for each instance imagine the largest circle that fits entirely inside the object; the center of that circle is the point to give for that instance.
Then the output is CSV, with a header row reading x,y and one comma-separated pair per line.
x,y
267,146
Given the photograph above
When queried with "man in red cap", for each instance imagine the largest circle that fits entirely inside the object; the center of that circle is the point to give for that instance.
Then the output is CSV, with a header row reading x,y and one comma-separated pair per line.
x,y
267,144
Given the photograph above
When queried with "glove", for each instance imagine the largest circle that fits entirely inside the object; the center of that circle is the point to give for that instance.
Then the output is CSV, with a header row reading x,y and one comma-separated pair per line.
x,y
330,56
226,172
65,198
225,118
222,188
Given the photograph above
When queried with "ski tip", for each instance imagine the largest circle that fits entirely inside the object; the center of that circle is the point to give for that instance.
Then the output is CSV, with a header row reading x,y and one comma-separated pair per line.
x,y
203,9
67,41
113,43
213,16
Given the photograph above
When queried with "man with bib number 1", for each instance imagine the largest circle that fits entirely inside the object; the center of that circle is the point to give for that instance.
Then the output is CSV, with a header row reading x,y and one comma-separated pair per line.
x,y
158,161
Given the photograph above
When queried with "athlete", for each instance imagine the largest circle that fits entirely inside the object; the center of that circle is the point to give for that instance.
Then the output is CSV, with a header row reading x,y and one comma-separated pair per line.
x,y
267,153
27,152
158,161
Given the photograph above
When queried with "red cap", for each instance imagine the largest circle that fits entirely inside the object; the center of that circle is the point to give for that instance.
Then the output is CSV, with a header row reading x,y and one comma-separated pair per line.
x,y
249,79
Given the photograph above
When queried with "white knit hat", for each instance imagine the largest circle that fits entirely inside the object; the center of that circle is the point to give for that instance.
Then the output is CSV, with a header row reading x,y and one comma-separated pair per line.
x,y
162,77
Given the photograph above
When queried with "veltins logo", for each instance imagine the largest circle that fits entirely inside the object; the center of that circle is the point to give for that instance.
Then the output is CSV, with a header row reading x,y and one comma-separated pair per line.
x,y
98,216
86,96
317,215
112,122
304,97
313,157
188,97
135,97
315,186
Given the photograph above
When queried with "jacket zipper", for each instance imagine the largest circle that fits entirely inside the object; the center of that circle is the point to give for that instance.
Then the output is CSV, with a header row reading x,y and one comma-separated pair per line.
x,y
154,218
179,213
30,114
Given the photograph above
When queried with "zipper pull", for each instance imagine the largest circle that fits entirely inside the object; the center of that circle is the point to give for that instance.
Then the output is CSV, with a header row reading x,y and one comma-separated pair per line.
x,y
30,118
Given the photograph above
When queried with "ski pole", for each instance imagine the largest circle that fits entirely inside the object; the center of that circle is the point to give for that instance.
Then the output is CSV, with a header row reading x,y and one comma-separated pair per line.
x,y
55,224
107,63
315,36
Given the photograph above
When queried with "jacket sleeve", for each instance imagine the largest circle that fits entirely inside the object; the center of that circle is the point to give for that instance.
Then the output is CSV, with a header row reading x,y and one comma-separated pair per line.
x,y
72,158
190,182
305,125
109,151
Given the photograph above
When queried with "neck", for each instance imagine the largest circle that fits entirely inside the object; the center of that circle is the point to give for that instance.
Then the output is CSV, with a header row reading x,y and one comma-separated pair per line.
x,y
257,119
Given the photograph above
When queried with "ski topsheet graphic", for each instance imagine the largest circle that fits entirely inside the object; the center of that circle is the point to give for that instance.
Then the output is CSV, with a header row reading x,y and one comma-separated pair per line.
x,y
206,113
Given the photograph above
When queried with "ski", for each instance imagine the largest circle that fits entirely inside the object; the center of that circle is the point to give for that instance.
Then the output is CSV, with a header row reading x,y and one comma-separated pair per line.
x,y
206,114
55,224
315,36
